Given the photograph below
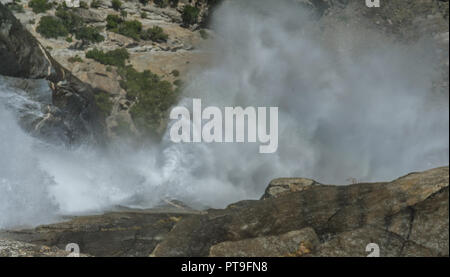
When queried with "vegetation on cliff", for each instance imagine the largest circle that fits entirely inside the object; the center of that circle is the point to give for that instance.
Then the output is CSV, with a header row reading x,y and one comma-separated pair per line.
x,y
152,95
190,15
115,57
51,27
66,22
40,6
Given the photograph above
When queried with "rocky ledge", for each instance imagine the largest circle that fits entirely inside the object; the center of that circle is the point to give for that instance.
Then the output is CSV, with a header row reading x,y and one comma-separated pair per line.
x,y
73,111
296,217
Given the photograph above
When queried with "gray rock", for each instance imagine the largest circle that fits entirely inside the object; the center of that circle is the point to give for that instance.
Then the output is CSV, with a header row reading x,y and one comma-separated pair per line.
x,y
291,244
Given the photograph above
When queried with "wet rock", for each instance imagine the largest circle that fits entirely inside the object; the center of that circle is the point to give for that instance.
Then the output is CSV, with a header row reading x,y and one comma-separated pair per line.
x,y
21,55
329,210
405,217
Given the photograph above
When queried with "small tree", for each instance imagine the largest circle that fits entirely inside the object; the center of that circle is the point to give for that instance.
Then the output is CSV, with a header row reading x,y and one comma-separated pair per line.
x,y
40,6
190,15
51,27
116,4
95,4
155,33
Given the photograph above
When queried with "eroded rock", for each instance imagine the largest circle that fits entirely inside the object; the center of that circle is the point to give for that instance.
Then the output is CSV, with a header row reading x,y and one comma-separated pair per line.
x,y
291,244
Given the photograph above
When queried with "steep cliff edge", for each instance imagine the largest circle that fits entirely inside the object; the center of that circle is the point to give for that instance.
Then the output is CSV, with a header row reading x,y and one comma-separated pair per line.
x,y
74,112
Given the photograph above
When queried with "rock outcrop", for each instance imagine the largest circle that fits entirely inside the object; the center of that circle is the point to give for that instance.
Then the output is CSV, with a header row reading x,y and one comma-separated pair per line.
x,y
10,248
406,217
74,112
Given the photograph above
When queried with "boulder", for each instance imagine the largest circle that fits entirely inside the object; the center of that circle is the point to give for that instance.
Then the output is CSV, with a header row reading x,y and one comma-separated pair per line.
x,y
291,244
406,217
283,186
330,211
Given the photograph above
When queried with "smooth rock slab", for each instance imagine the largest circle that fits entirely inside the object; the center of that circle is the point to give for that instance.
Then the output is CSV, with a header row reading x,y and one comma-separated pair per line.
x,y
291,244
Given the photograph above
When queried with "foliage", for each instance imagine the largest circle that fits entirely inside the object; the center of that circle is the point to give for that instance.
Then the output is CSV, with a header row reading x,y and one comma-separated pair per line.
x,y
115,57
91,34
153,97
190,15
103,102
116,4
84,5
95,4
40,6
75,59
130,29
15,6
71,21
155,33
51,27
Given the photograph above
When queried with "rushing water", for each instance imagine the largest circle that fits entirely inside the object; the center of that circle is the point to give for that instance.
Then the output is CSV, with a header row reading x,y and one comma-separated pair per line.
x,y
366,113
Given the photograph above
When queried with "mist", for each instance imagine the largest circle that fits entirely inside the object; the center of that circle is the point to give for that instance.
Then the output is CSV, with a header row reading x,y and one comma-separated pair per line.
x,y
351,105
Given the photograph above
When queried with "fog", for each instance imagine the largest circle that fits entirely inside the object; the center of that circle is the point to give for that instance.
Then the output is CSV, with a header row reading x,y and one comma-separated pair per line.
x,y
350,106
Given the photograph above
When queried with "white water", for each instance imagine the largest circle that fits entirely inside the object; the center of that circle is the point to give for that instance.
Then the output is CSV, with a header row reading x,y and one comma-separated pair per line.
x,y
366,113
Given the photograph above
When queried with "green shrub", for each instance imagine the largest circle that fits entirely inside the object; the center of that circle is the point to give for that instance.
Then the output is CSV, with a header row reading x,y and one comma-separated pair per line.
x,y
103,102
51,27
71,21
95,4
75,59
175,73
130,29
15,7
144,2
123,14
69,39
190,15
115,57
113,21
155,33
143,15
116,4
153,97
91,34
40,6
84,5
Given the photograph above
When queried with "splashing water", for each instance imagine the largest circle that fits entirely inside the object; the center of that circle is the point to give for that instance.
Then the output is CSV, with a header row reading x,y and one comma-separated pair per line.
x,y
349,107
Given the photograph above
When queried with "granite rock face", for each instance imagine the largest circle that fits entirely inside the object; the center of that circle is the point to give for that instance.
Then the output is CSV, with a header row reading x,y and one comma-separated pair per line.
x,y
73,112
291,244
10,248
406,217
